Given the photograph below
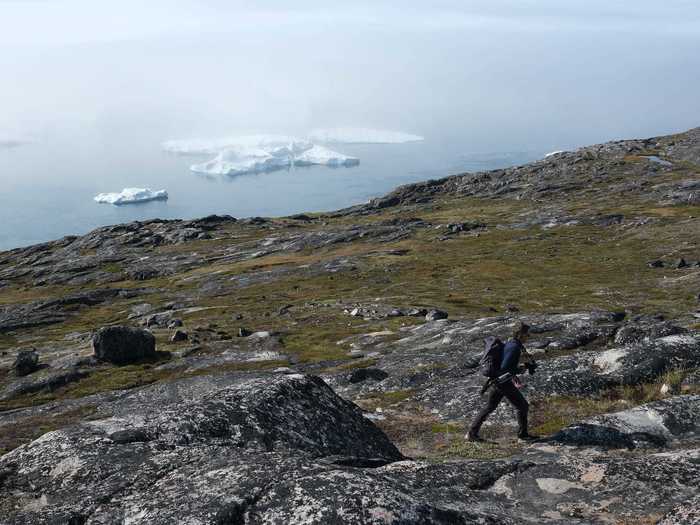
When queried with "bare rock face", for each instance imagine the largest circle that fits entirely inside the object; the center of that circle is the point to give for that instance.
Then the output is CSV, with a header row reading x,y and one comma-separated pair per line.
x,y
122,344
205,461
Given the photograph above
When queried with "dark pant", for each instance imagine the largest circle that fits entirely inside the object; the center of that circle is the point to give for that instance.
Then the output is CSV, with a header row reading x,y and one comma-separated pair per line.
x,y
495,394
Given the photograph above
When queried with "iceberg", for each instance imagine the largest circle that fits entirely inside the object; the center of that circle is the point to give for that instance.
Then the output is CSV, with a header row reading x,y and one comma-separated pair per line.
x,y
217,145
322,156
362,136
256,154
240,160
132,196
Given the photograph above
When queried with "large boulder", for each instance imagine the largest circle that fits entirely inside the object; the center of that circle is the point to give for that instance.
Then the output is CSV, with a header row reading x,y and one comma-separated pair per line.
x,y
201,461
122,344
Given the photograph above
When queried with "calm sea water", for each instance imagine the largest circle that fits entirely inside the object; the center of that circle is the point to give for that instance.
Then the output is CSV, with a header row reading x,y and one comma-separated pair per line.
x,y
47,187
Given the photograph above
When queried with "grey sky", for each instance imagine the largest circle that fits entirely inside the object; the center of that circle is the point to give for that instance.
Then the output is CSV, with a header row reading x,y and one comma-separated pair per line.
x,y
520,74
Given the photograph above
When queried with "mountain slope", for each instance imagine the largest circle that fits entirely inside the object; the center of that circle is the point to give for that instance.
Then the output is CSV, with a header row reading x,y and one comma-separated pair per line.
x,y
597,249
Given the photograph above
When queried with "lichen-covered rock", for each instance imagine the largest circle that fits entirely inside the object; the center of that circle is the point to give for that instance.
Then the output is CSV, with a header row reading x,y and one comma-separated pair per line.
x,y
654,424
687,513
122,344
192,459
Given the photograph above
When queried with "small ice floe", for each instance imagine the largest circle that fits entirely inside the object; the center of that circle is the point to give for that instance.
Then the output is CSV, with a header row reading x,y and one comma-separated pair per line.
x,y
10,142
553,153
132,196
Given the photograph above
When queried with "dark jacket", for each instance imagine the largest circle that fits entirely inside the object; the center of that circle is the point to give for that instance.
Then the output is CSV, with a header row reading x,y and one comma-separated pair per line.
x,y
511,357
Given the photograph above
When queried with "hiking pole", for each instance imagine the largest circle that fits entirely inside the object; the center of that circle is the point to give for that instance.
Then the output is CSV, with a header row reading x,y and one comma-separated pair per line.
x,y
486,386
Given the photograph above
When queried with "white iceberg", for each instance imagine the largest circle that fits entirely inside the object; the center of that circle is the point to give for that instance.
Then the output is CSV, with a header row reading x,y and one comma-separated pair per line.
x,y
215,146
132,196
320,155
257,154
240,160
362,136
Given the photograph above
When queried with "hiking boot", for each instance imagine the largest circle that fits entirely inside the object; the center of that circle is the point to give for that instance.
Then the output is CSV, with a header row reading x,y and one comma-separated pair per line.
x,y
474,438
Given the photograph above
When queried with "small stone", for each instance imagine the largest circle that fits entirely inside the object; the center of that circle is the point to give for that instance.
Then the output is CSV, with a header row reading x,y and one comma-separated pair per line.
x,y
355,312
131,435
158,320
243,332
27,362
362,374
284,310
417,312
681,263
436,315
395,313
175,323
179,336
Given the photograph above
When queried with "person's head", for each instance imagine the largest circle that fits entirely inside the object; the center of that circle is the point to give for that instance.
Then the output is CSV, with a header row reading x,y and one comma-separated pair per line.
x,y
521,331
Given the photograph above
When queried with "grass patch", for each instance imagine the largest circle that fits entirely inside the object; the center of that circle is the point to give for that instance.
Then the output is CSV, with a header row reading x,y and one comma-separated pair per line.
x,y
458,447
111,268
384,399
115,378
28,429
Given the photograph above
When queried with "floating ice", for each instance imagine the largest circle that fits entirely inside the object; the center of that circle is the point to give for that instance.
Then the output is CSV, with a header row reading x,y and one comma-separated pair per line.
x,y
362,136
239,160
132,196
320,155
554,153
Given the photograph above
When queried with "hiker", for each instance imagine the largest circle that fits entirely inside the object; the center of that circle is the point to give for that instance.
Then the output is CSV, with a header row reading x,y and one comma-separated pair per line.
x,y
503,381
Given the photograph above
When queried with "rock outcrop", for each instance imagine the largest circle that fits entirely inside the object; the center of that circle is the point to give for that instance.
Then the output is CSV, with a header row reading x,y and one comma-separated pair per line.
x,y
195,462
286,449
655,424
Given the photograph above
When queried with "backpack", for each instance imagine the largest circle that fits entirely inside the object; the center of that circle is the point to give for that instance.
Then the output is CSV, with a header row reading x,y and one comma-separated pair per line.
x,y
490,362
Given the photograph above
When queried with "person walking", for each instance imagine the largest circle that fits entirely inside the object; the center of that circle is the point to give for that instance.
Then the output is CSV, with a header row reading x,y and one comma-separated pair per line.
x,y
504,385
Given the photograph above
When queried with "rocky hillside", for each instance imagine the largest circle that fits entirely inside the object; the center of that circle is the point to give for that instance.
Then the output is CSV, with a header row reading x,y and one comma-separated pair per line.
x,y
321,368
